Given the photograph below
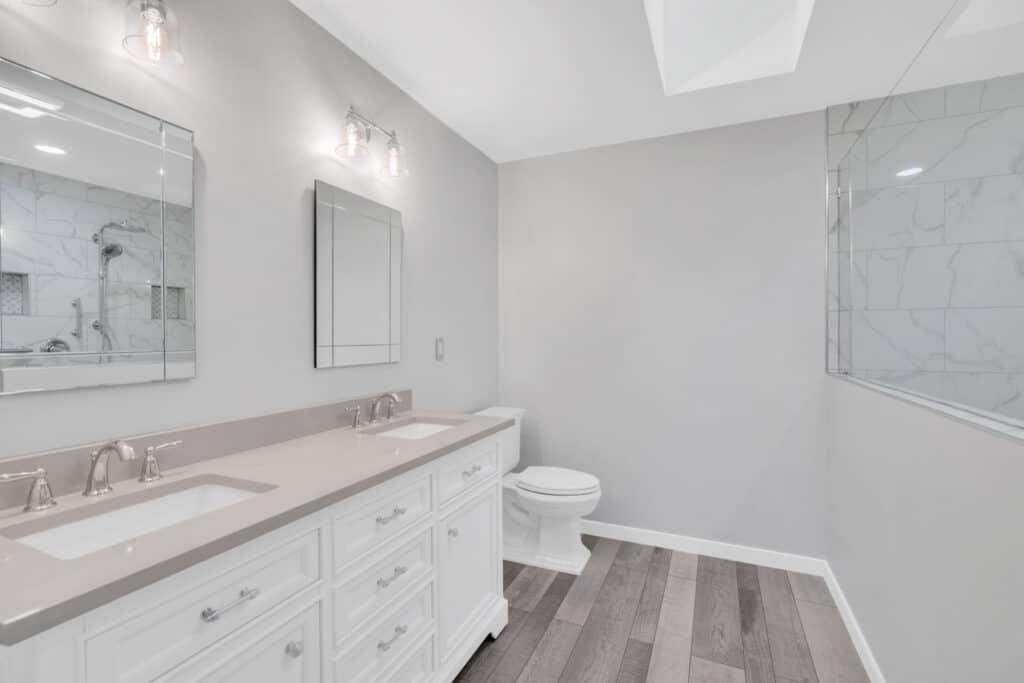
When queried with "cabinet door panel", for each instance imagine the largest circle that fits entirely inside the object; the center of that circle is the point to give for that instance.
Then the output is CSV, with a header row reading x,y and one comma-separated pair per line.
x,y
467,545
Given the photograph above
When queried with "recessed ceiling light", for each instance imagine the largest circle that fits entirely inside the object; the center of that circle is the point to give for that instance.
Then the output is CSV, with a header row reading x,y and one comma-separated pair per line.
x,y
907,172
50,149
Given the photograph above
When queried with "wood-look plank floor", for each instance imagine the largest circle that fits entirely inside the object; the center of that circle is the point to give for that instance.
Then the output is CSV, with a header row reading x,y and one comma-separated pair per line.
x,y
640,614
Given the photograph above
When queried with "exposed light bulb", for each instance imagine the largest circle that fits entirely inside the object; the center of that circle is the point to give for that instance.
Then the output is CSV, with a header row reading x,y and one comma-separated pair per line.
x,y
151,32
156,33
353,140
394,164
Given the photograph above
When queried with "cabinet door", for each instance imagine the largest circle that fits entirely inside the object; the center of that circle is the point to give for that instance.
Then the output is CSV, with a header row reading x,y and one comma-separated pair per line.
x,y
468,550
287,653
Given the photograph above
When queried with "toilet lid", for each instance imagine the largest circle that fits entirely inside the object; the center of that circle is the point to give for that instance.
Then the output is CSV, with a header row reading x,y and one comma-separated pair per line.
x,y
557,481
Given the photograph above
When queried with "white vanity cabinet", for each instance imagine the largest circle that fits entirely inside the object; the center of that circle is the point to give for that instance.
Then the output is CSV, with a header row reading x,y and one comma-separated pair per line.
x,y
400,582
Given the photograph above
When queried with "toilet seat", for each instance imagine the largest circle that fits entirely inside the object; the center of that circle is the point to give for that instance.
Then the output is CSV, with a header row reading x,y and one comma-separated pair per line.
x,y
557,481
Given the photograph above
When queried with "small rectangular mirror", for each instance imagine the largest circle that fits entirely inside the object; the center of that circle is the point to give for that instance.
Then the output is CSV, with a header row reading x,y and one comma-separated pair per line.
x,y
357,293
97,244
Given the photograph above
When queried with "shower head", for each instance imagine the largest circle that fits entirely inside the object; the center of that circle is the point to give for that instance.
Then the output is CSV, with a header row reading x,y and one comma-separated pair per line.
x,y
111,251
123,226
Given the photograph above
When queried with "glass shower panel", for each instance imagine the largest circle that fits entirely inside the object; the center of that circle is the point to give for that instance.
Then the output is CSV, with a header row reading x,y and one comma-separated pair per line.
x,y
926,235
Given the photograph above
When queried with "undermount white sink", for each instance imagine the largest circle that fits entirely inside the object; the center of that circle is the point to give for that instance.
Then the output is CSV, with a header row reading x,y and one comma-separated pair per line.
x,y
84,536
415,430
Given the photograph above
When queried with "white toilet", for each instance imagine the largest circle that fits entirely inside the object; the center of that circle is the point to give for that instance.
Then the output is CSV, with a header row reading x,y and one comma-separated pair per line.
x,y
543,506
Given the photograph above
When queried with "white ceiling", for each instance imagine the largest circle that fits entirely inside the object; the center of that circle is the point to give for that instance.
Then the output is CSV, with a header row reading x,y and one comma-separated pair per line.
x,y
530,78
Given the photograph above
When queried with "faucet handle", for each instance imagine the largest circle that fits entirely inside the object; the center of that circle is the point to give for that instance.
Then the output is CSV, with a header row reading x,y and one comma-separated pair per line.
x,y
40,497
151,466
357,415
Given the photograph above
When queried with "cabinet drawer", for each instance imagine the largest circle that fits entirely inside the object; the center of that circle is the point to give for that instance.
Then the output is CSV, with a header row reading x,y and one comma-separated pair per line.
x,y
169,632
358,530
418,669
375,588
387,641
467,467
288,653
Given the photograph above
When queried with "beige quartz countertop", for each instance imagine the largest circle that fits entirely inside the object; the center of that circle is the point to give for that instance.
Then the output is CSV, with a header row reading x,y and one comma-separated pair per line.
x,y
38,592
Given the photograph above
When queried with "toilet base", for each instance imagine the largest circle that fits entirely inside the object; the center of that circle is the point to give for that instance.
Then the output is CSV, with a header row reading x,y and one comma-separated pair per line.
x,y
569,565
544,531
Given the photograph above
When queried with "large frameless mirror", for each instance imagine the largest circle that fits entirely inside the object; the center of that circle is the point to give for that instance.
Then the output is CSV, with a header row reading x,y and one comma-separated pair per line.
x,y
358,280
97,240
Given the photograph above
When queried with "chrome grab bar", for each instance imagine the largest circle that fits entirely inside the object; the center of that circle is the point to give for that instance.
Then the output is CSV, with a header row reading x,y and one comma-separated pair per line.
x,y
398,512
384,583
385,645
211,615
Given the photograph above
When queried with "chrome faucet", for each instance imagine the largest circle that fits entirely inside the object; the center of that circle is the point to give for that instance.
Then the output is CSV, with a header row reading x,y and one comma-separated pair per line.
x,y
390,399
40,497
98,482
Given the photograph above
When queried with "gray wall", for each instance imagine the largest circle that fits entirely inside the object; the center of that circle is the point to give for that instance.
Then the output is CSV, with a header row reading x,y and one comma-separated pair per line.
x,y
662,319
266,90
925,537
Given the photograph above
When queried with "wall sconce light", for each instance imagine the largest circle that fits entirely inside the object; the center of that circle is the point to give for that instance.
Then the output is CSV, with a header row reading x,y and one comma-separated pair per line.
x,y
355,139
151,32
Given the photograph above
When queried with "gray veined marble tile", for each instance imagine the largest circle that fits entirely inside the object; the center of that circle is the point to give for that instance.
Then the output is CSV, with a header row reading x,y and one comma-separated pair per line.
x,y
977,145
52,294
839,147
851,117
988,275
985,339
848,281
32,331
985,209
17,208
884,218
911,278
1001,393
898,340
922,105
34,253
979,96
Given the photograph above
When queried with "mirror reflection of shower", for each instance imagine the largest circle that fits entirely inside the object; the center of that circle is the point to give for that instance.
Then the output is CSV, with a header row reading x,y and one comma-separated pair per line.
x,y
108,252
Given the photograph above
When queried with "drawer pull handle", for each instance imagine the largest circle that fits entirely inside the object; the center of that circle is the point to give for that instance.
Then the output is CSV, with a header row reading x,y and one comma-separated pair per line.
x,y
453,533
385,645
398,512
472,471
294,649
384,583
211,615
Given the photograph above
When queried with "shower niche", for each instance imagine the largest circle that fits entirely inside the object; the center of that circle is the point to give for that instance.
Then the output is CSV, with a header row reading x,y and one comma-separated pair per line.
x,y
97,240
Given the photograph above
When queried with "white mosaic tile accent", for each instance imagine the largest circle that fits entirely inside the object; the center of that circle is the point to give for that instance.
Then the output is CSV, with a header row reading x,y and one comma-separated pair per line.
x,y
13,294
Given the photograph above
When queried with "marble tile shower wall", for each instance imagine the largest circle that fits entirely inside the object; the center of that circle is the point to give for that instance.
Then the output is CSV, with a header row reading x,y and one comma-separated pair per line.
x,y
926,274
48,223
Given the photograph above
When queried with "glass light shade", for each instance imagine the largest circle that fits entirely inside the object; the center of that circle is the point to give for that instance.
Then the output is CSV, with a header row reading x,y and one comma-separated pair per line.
x,y
395,165
151,32
354,140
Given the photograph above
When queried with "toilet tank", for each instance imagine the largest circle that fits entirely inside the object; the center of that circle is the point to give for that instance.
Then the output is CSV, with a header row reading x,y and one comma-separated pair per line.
x,y
508,438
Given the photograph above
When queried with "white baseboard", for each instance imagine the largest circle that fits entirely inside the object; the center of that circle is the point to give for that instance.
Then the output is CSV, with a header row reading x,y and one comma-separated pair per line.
x,y
759,556
867,657
701,546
